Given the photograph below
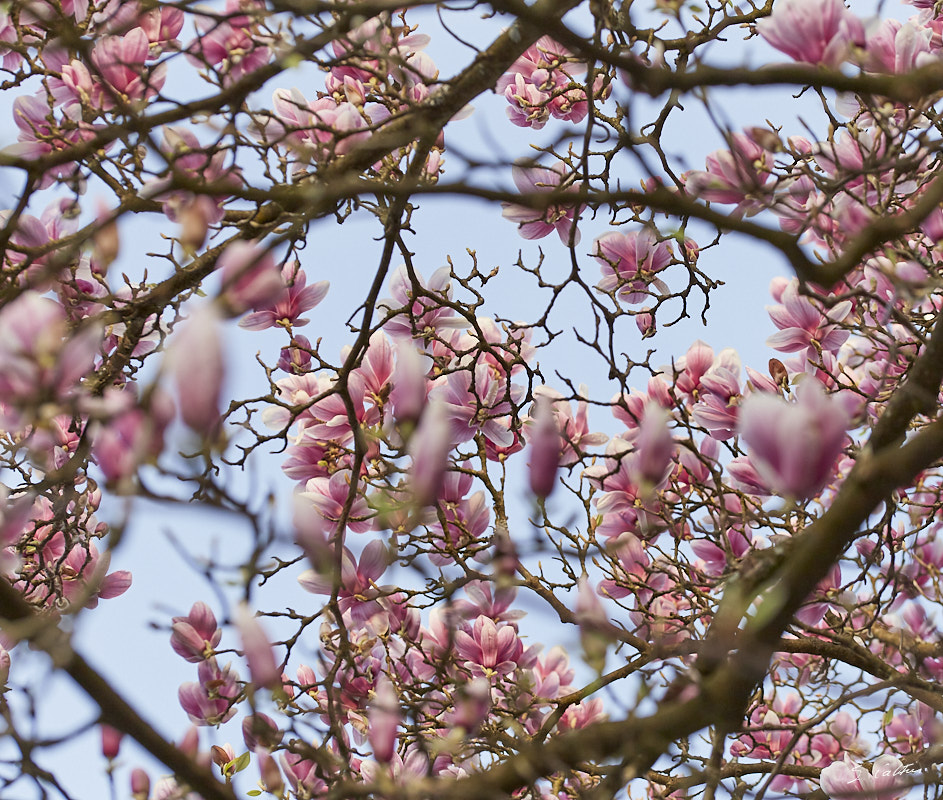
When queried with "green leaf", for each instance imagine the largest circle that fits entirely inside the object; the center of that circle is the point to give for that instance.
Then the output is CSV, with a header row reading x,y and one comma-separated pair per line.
x,y
239,764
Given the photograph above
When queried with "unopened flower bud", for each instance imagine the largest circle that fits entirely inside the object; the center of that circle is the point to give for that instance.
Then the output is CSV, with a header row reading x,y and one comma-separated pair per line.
x,y
111,741
546,447
140,784
260,657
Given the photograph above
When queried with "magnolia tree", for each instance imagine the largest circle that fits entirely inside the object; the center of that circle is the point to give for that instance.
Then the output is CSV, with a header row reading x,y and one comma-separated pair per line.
x,y
733,587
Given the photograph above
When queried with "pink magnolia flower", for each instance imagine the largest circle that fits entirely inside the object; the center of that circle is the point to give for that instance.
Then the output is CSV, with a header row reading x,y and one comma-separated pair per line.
x,y
401,770
794,446
409,385
211,700
329,496
259,732
461,521
302,775
630,263
81,572
819,602
773,728
42,133
534,223
496,605
162,26
120,60
803,327
814,31
490,649
655,447
528,106
623,505
195,636
318,129
911,733
193,162
737,175
232,47
840,737
843,780
140,784
287,306
119,75
358,593
271,775
134,435
898,47
38,358
541,83
713,558
720,394
573,428
475,402
421,314
746,478
691,367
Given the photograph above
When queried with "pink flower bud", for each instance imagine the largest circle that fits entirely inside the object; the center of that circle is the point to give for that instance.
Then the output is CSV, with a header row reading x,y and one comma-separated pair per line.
x,y
546,447
429,448
409,390
194,223
596,631
654,447
296,359
310,534
190,743
384,717
271,774
222,755
140,784
473,703
197,362
111,741
259,655
106,239
645,321
259,731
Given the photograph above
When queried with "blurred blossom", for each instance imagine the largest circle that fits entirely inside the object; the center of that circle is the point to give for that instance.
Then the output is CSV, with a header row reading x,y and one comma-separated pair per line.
x,y
843,780
250,277
814,31
546,448
196,358
794,445
384,717
111,741
258,652
429,448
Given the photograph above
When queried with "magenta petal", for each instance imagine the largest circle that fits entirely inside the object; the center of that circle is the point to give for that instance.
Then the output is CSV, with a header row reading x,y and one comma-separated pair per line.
x,y
115,584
